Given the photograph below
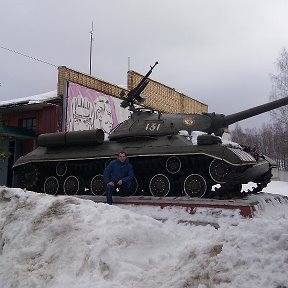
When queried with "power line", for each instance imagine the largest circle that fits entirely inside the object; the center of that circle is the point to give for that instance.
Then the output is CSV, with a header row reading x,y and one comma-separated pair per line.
x,y
28,56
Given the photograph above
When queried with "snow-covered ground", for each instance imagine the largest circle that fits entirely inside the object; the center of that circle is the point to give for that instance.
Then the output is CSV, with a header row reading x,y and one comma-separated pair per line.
x,y
48,241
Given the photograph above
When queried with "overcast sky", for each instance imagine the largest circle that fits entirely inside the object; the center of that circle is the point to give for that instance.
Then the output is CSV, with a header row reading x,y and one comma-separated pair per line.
x,y
219,52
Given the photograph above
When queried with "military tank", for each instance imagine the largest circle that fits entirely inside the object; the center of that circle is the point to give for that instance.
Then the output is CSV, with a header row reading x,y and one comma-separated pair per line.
x,y
169,157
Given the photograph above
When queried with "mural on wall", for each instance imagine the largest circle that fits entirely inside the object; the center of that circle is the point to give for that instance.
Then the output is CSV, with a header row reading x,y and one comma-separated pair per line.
x,y
89,109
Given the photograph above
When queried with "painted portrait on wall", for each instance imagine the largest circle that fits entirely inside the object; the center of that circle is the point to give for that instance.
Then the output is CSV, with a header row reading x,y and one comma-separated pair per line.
x,y
89,109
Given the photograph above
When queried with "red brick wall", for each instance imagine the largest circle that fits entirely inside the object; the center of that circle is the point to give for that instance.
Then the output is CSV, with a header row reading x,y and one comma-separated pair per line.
x,y
48,119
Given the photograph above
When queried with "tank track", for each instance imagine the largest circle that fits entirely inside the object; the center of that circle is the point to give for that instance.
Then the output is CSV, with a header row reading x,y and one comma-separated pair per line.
x,y
153,176
232,189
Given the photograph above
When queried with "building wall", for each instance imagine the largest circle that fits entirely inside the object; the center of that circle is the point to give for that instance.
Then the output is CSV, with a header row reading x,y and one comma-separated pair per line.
x,y
164,98
158,96
12,118
4,145
48,119
66,74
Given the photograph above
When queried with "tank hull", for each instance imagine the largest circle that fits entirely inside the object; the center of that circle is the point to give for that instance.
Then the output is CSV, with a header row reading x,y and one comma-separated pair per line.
x,y
164,166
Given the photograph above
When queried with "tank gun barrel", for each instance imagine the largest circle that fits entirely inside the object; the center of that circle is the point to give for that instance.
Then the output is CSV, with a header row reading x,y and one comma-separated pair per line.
x,y
217,122
233,118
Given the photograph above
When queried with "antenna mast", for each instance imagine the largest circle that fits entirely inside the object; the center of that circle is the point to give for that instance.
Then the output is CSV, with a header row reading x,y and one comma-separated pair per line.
x,y
91,40
128,63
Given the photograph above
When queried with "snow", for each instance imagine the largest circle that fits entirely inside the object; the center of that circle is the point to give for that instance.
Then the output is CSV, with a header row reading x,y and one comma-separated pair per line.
x,y
48,241
31,99
193,136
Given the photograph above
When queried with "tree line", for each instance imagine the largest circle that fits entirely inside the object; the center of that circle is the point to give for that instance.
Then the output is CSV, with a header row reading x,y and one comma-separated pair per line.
x,y
272,138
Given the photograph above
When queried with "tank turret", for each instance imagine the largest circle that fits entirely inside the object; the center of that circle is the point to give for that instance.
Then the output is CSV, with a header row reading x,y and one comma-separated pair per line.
x,y
149,123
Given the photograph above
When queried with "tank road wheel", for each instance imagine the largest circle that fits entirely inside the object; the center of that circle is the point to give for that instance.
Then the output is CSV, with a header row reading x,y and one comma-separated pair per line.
x,y
173,164
133,189
107,162
61,169
97,185
218,171
195,185
72,185
159,185
51,185
139,187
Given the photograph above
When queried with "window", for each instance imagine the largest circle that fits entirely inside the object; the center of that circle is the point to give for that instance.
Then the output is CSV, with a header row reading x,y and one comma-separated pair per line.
x,y
3,122
28,123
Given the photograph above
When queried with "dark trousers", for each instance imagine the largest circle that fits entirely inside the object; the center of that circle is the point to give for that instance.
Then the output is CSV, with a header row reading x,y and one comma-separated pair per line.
x,y
110,190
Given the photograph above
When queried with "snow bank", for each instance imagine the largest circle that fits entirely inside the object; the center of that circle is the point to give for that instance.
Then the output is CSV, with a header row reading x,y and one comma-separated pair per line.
x,y
62,241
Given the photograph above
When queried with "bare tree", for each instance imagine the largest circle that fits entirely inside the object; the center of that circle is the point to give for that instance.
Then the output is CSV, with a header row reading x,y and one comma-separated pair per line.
x,y
271,139
249,137
280,88
237,134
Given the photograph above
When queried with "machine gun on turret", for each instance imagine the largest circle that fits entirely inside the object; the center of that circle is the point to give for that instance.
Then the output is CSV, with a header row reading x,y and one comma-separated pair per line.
x,y
135,93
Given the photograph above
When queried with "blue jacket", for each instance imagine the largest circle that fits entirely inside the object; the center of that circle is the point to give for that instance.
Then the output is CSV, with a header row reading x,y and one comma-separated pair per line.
x,y
117,170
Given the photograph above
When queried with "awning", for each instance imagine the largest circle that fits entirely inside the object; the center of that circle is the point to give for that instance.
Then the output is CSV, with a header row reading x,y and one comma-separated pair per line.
x,y
17,132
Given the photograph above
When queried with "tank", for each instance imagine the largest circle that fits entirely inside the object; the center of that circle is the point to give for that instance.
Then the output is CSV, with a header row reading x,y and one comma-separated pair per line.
x,y
173,155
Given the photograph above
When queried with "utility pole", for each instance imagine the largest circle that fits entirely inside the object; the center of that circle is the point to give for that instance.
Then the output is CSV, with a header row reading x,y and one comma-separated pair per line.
x,y
128,63
91,40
